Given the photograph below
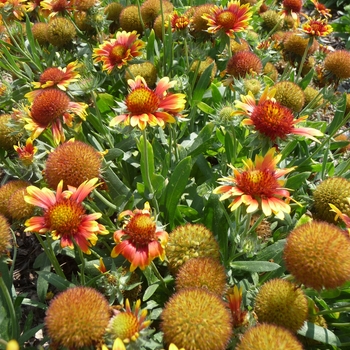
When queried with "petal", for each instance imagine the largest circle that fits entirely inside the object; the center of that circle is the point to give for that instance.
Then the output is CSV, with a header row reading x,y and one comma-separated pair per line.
x,y
43,198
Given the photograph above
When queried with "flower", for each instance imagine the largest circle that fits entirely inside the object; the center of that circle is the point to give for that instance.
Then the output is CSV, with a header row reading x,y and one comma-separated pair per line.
x,y
152,107
117,52
172,346
5,236
195,318
139,241
234,297
77,318
257,186
317,255
337,63
60,77
146,70
345,218
60,31
316,27
321,9
64,215
271,118
179,22
127,325
292,8
243,63
290,95
26,153
9,136
232,19
49,107
18,208
268,336
53,7
16,9
282,303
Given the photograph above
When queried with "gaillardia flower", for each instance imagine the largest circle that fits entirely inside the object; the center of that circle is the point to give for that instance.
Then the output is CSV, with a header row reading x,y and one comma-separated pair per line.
x,y
321,9
257,186
139,241
271,118
232,19
64,215
234,298
117,52
77,318
127,325
345,218
49,108
26,153
58,77
5,235
316,27
150,107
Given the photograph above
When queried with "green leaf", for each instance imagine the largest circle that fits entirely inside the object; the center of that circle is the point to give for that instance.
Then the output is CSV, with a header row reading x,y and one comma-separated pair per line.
x,y
205,108
176,186
323,335
337,121
147,161
254,266
150,46
296,181
306,80
200,145
202,85
104,101
216,94
57,281
272,251
150,291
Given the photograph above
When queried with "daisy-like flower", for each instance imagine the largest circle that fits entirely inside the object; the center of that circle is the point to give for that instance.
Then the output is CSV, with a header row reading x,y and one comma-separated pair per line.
x,y
270,118
292,8
257,186
152,107
117,52
65,216
57,76
316,27
234,297
232,19
321,9
139,241
127,325
179,22
14,8
54,7
345,218
49,108
26,153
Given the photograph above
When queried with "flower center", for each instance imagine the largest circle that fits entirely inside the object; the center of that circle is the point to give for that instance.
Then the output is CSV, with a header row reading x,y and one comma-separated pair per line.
x,y
48,106
65,217
51,74
260,183
141,229
125,326
118,53
142,100
272,119
226,19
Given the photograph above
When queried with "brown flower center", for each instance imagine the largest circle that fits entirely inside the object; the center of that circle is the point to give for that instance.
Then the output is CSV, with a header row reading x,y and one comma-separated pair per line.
x,y
226,19
65,217
51,74
141,229
257,183
142,100
118,53
124,326
49,105
272,119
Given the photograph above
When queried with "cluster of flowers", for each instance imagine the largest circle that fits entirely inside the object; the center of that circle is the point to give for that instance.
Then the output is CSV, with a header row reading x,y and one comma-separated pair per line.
x,y
203,312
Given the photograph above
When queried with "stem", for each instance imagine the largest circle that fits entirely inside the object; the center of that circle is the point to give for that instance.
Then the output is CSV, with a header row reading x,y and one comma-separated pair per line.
x,y
8,299
14,254
309,44
82,260
156,272
186,54
51,255
148,178
339,309
163,36
104,200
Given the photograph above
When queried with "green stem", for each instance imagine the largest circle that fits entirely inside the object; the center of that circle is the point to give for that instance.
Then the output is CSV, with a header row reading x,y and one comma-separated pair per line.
x,y
8,299
104,200
186,54
82,266
14,254
339,309
50,254
303,59
156,272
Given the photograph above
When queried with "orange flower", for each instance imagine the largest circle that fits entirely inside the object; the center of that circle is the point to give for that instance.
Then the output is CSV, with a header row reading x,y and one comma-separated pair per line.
x,y
48,107
232,19
60,77
292,8
26,153
321,9
139,241
53,7
316,27
234,297
64,215
15,8
153,107
345,218
127,325
271,118
117,52
257,186
179,22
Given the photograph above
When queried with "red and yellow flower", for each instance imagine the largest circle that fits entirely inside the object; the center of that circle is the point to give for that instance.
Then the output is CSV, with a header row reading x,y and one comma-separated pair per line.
x,y
49,108
26,153
270,118
321,9
234,297
179,22
257,186
232,19
54,7
117,52
345,218
150,107
65,216
15,8
316,27
139,241
58,77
